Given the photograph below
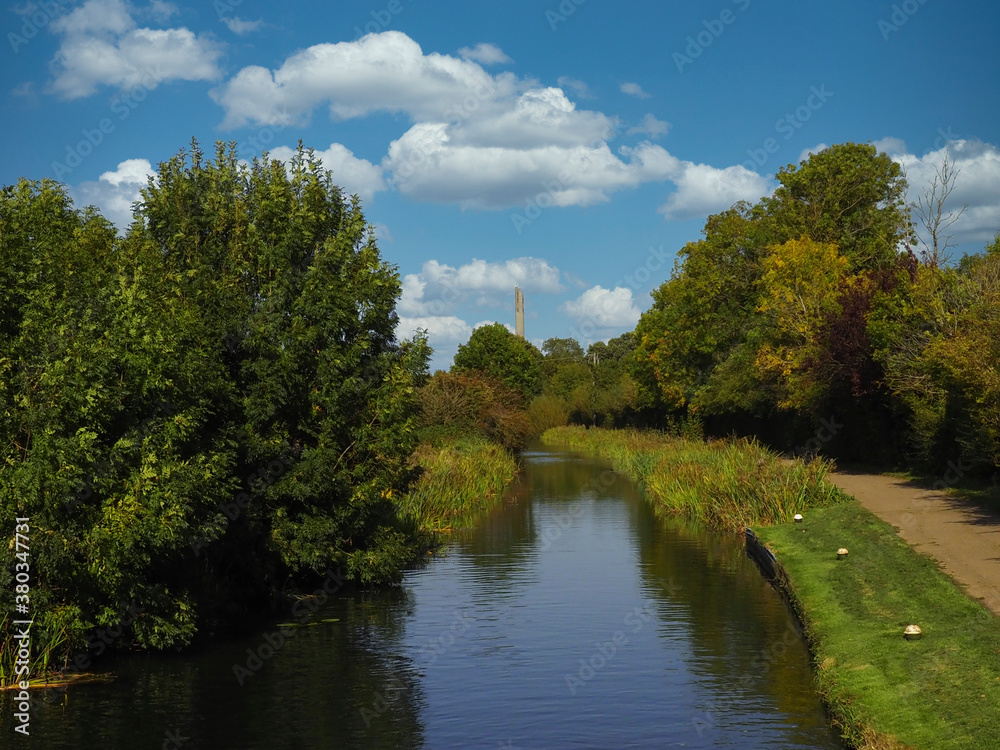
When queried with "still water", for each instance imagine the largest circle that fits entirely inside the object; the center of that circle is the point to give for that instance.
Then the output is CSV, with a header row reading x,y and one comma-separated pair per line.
x,y
572,617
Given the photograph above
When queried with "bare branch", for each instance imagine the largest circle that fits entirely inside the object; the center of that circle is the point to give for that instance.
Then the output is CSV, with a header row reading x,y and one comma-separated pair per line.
x,y
930,209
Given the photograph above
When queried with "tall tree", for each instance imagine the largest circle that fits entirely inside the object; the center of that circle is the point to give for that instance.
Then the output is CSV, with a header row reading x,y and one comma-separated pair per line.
x,y
495,351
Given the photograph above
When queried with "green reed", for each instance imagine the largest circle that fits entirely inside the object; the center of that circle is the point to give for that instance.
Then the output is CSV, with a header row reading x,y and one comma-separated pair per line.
x,y
728,484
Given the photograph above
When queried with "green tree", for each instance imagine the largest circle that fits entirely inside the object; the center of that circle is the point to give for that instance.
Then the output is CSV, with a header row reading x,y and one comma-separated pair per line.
x,y
496,352
849,195
213,404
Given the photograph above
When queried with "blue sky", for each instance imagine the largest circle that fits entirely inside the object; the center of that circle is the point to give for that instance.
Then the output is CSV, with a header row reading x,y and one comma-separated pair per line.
x,y
570,148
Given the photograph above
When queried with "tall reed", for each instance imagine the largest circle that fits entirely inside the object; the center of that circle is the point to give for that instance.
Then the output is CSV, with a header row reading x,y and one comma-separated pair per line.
x,y
458,481
728,484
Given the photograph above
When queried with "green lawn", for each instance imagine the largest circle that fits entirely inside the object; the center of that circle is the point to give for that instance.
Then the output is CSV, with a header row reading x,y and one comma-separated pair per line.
x,y
938,693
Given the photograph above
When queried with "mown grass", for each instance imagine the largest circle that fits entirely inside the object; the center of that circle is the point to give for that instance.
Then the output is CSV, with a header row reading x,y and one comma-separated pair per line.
x,y
460,480
937,693
724,484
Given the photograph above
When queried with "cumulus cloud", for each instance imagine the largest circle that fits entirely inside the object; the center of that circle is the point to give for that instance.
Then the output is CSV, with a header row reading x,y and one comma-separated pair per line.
x,y
603,308
386,72
581,89
634,89
475,139
479,140
102,46
977,185
807,152
487,54
439,288
441,329
891,146
240,27
115,192
351,173
650,126
703,189
162,11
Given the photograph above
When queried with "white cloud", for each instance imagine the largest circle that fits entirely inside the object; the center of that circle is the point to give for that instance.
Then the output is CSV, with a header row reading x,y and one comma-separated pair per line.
x,y
650,126
891,146
977,185
634,89
603,308
351,173
385,72
581,89
440,328
162,11
102,46
703,189
434,162
439,288
478,140
115,192
807,152
487,54
240,27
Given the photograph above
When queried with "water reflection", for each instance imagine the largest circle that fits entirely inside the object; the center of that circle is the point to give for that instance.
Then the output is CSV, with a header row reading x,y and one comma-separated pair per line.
x,y
569,617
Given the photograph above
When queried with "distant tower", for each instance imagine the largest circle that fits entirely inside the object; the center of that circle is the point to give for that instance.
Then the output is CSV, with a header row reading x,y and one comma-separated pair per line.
x,y
518,312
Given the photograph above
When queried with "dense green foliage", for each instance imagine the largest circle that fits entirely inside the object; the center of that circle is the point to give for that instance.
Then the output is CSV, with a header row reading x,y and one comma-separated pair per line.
x,y
809,308
197,412
884,691
727,484
456,406
498,353
586,388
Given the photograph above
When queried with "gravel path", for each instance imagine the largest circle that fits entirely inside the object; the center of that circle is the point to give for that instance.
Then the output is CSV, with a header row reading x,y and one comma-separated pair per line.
x,y
962,538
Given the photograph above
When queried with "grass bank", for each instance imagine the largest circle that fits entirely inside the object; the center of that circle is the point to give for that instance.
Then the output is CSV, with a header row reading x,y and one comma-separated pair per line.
x,y
724,484
937,693
460,480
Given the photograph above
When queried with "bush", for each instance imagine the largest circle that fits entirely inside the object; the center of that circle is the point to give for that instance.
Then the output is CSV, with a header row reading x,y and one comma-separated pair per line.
x,y
475,405
546,412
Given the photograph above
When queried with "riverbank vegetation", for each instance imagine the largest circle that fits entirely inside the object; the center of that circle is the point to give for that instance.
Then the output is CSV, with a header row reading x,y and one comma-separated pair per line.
x,y
724,484
202,413
817,306
212,410
884,691
460,479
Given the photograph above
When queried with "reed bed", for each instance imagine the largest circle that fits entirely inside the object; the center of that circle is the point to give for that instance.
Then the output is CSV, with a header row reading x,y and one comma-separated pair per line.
x,y
729,484
459,481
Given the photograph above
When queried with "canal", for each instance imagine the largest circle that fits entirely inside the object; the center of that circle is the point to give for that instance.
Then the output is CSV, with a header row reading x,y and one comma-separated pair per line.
x,y
571,617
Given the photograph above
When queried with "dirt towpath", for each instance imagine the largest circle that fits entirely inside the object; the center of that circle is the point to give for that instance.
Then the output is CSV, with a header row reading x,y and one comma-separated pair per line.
x,y
962,538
